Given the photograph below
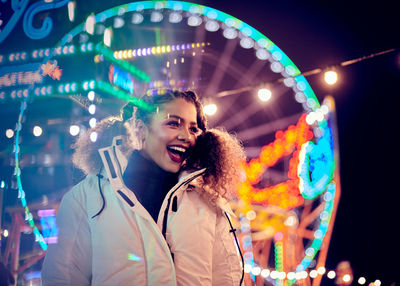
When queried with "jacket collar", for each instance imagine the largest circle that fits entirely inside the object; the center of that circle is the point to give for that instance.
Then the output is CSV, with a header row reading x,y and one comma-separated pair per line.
x,y
115,163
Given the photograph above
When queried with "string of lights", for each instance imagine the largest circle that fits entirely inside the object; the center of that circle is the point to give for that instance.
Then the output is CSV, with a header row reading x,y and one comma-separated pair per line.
x,y
292,277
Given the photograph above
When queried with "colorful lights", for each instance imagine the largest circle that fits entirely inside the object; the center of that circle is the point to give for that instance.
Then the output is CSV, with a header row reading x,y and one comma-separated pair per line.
x,y
316,165
157,50
286,194
109,55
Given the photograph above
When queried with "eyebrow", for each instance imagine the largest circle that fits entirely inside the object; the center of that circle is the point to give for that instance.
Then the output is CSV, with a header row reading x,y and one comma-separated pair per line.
x,y
179,118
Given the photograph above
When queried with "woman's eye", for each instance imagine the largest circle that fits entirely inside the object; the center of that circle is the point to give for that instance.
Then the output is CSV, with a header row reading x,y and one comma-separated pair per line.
x,y
173,123
194,130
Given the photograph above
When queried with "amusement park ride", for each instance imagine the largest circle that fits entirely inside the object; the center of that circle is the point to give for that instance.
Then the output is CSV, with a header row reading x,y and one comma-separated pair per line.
x,y
288,198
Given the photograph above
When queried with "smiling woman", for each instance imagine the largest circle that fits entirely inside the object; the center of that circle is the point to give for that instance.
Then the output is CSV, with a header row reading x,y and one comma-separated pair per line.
x,y
148,196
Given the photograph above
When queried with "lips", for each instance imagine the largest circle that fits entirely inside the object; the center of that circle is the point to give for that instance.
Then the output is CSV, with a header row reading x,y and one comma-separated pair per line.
x,y
177,153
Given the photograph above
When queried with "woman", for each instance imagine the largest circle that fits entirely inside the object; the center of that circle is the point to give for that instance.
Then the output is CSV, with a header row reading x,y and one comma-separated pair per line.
x,y
153,215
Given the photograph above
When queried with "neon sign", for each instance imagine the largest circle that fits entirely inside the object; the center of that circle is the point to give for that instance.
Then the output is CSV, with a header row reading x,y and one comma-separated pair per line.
x,y
311,167
121,78
20,75
285,194
19,6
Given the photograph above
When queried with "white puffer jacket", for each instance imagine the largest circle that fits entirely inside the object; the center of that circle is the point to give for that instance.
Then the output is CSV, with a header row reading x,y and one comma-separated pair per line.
x,y
124,246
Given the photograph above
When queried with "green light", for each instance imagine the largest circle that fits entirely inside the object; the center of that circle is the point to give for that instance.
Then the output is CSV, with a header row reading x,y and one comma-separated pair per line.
x,y
108,54
115,91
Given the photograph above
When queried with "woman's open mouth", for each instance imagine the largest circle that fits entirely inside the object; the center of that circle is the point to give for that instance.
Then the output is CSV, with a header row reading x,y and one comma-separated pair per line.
x,y
177,153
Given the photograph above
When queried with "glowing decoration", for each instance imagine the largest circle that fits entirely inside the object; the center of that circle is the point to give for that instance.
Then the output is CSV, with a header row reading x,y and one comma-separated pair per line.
x,y
5,233
91,95
74,130
286,194
264,94
156,50
51,69
210,109
45,29
49,226
247,245
108,54
37,131
331,274
361,280
175,17
121,79
92,122
107,37
93,136
137,18
330,77
115,91
71,10
316,165
89,24
9,133
92,109
20,75
118,22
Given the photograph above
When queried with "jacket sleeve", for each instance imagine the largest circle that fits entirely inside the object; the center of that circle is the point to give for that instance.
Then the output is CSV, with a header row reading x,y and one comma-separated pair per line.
x,y
226,261
68,262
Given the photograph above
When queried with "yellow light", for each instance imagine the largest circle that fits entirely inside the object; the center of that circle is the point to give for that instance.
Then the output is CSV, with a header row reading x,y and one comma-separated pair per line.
x,y
321,270
362,280
37,131
331,274
9,133
210,109
264,94
346,278
377,282
5,233
330,77
153,50
168,49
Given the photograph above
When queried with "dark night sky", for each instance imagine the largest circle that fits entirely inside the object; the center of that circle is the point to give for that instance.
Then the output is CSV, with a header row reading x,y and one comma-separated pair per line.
x,y
317,34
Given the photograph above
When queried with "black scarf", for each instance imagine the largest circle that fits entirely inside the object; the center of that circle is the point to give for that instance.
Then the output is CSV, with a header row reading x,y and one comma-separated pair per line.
x,y
149,182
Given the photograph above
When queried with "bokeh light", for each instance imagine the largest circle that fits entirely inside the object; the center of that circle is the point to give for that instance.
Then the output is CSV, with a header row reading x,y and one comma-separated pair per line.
x,y
331,77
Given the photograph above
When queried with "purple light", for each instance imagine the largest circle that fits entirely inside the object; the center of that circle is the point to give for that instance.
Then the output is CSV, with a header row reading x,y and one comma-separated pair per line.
x,y
183,47
134,53
173,48
43,213
139,52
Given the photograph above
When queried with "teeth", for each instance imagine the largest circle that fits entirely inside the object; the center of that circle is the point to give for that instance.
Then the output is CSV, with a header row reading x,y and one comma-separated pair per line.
x,y
179,149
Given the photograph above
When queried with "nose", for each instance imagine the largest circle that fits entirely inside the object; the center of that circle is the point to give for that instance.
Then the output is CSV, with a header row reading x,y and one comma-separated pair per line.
x,y
185,135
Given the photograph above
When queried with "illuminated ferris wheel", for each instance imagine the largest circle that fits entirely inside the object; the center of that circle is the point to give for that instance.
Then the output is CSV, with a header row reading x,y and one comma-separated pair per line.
x,y
288,199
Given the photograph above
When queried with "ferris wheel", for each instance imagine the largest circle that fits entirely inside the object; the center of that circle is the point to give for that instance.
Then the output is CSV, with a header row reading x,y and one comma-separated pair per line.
x,y
288,198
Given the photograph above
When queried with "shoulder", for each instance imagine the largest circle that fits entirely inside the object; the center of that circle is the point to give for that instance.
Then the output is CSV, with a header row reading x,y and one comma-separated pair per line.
x,y
79,193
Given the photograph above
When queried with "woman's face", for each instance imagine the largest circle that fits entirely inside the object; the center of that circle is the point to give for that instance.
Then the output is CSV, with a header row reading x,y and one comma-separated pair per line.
x,y
171,133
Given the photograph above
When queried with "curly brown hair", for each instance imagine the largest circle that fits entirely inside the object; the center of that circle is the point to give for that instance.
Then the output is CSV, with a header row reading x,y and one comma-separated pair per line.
x,y
216,150
222,155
